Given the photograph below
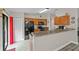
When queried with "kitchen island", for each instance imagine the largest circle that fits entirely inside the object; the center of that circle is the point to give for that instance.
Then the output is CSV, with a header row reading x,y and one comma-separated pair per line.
x,y
54,40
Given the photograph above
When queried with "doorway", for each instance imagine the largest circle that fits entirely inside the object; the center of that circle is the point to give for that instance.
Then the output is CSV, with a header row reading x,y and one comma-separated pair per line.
x,y
5,31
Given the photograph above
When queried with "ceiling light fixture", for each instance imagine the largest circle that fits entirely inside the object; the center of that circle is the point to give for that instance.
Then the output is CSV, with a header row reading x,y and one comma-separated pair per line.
x,y
44,10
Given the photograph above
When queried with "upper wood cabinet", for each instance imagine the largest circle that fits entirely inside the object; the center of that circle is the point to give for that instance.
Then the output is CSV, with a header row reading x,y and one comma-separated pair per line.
x,y
37,22
62,20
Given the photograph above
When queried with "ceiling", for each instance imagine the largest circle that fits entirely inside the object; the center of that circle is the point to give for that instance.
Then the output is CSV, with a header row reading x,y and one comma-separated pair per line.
x,y
29,10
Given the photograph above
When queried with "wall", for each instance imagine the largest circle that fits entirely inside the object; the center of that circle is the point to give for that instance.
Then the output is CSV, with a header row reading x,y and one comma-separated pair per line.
x,y
18,20
53,41
40,16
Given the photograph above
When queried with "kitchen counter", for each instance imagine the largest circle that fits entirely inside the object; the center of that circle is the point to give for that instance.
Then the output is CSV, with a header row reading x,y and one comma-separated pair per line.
x,y
54,40
42,33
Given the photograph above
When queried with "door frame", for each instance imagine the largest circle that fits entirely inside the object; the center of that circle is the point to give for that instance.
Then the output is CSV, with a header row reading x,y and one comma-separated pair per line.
x,y
5,19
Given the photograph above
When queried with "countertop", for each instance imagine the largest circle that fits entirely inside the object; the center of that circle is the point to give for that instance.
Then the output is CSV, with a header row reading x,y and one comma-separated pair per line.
x,y
42,33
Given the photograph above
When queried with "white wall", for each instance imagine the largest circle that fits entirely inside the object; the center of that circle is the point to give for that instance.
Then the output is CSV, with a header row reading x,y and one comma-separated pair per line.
x,y
43,16
53,41
18,20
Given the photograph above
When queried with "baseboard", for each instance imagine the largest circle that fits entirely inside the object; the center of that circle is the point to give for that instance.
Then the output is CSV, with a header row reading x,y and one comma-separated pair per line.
x,y
65,45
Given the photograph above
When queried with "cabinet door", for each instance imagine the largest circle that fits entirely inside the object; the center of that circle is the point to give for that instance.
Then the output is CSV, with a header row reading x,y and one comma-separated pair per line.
x,y
65,20
36,21
57,20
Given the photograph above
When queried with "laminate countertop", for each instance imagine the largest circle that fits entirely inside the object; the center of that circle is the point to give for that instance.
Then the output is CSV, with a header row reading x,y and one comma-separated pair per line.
x,y
42,33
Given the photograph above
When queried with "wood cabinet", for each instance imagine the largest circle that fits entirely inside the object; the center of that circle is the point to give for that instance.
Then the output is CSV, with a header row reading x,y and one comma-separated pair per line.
x,y
62,20
37,22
